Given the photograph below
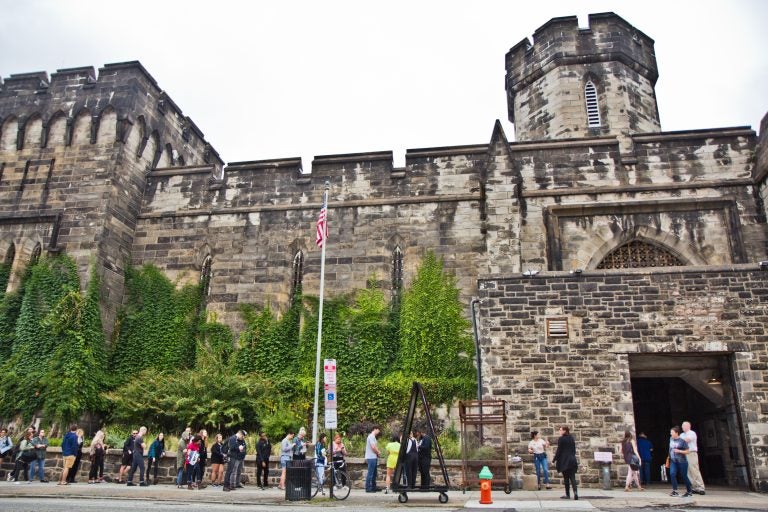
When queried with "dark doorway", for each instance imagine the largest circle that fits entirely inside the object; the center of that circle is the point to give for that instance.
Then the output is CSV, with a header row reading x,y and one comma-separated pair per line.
x,y
668,389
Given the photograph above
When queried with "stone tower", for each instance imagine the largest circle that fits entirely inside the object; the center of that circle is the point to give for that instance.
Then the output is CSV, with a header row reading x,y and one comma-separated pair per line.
x,y
573,82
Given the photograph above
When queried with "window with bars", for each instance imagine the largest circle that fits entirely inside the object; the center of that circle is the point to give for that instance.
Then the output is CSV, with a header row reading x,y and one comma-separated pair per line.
x,y
593,110
397,275
298,273
636,254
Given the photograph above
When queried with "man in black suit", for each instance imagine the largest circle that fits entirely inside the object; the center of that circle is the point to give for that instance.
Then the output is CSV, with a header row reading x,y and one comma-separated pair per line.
x,y
425,457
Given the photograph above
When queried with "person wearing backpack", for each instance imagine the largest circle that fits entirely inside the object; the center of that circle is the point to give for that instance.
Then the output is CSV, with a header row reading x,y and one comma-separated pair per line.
x,y
156,452
236,452
193,461
6,445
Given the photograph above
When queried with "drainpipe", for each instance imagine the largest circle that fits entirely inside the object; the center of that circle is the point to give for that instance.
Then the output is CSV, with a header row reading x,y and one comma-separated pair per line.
x,y
472,303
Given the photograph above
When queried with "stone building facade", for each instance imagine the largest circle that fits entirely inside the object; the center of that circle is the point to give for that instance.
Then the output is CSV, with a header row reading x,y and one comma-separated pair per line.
x,y
618,265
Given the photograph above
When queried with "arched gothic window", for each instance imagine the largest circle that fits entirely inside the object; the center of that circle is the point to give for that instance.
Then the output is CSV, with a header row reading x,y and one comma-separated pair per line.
x,y
205,280
397,275
10,254
298,273
36,252
593,110
636,254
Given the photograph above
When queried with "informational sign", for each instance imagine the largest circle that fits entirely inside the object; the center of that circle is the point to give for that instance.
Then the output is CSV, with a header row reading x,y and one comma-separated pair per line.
x,y
329,370
330,418
604,457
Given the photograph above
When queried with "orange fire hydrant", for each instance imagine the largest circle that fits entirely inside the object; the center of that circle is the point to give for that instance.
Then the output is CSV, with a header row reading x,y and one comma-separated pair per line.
x,y
485,486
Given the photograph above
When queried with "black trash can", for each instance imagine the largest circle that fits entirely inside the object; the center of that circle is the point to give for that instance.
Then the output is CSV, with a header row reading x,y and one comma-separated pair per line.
x,y
298,480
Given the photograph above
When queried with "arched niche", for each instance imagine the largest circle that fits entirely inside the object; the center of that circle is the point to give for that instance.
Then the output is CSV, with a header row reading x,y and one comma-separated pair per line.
x,y
107,129
81,128
33,132
9,134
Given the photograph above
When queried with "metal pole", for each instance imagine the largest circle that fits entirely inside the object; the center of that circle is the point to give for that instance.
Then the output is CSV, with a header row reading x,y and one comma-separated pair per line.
x,y
320,320
472,303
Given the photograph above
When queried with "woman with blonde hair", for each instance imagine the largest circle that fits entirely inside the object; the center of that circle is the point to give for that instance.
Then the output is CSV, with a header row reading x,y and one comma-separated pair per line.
x,y
632,458
97,451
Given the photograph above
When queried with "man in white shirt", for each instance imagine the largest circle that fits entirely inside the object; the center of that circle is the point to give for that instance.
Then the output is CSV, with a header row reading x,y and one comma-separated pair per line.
x,y
372,459
694,474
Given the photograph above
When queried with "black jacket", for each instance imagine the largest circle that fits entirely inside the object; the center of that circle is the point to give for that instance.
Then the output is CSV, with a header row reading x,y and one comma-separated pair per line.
x,y
565,455
263,450
425,448
234,448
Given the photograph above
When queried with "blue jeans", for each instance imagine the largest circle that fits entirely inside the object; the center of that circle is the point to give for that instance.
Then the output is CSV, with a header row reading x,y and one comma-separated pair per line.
x,y
645,471
541,463
679,468
39,467
370,478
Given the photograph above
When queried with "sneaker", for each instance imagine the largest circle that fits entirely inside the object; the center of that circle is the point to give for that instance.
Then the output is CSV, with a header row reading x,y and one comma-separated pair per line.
x,y
225,489
687,495
701,492
130,484
674,493
143,484
566,497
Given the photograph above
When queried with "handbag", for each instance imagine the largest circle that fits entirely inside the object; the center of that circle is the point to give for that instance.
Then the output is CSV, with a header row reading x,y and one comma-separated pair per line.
x,y
663,473
634,462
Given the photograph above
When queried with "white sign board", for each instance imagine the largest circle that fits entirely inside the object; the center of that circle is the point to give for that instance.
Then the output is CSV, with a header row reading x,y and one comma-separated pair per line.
x,y
330,418
604,457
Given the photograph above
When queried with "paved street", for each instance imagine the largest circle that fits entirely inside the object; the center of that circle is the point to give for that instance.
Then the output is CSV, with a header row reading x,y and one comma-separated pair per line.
x,y
37,497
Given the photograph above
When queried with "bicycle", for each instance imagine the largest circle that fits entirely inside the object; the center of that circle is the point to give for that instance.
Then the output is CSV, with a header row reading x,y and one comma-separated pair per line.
x,y
338,482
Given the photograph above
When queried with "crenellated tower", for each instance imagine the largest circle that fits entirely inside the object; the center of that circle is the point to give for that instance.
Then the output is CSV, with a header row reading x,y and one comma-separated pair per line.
x,y
573,82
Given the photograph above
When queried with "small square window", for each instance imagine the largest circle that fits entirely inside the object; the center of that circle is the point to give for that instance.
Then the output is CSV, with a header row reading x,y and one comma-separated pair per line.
x,y
557,327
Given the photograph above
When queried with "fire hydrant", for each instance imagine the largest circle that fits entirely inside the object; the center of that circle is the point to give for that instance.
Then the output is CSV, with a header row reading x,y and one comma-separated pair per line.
x,y
485,486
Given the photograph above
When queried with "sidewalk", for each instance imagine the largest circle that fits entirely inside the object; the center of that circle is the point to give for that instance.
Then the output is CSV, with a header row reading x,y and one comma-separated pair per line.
x,y
656,496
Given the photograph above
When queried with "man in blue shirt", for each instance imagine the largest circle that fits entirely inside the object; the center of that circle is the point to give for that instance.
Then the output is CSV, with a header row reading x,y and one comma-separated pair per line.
x,y
68,452
645,447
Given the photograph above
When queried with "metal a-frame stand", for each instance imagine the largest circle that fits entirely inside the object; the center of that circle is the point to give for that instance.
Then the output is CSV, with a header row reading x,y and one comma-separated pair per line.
x,y
417,393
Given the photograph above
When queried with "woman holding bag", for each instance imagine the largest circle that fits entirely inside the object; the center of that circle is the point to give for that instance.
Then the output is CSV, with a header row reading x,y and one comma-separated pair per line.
x,y
632,458
538,448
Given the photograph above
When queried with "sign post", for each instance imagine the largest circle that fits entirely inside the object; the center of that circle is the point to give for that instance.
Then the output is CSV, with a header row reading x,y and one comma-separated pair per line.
x,y
331,418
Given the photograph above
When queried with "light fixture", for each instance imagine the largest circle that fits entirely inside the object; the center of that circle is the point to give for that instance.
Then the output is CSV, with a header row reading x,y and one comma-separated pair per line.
x,y
713,381
577,271
530,272
763,265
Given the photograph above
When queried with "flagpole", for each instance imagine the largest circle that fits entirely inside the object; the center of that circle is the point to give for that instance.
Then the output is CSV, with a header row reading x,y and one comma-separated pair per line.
x,y
320,318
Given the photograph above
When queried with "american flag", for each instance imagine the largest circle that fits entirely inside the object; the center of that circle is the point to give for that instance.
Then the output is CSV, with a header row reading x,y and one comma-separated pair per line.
x,y
322,226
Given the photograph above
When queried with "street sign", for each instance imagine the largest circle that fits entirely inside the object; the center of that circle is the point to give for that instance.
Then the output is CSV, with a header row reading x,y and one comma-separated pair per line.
x,y
330,418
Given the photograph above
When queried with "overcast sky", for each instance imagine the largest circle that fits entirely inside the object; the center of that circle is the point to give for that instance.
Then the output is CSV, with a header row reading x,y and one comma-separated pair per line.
x,y
282,79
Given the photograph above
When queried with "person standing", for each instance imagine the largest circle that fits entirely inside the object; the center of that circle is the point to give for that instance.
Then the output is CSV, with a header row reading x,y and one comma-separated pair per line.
x,y
694,473
678,463
339,451
78,456
538,448
127,459
393,452
425,457
68,452
200,472
6,445
372,454
632,458
193,459
300,445
24,457
97,452
40,442
411,461
181,456
138,458
566,462
321,454
263,452
286,454
645,447
236,454
156,452
217,462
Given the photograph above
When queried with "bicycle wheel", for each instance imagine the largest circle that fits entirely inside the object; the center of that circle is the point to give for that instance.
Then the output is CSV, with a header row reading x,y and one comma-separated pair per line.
x,y
341,485
316,487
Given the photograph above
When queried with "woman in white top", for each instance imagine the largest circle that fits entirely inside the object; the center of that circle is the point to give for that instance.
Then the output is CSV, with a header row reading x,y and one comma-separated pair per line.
x,y
538,447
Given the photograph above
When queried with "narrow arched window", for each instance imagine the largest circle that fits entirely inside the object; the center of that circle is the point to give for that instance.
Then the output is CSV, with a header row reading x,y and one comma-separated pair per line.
x,y
5,268
36,252
298,273
397,275
10,255
205,281
593,110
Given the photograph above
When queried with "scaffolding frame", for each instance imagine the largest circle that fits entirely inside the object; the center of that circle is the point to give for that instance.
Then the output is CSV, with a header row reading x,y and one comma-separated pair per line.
x,y
478,419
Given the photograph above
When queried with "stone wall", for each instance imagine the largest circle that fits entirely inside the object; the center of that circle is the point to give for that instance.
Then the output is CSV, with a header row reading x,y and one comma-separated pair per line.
x,y
583,379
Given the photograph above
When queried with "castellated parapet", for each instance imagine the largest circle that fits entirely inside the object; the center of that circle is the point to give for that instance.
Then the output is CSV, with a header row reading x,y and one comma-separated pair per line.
x,y
546,79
